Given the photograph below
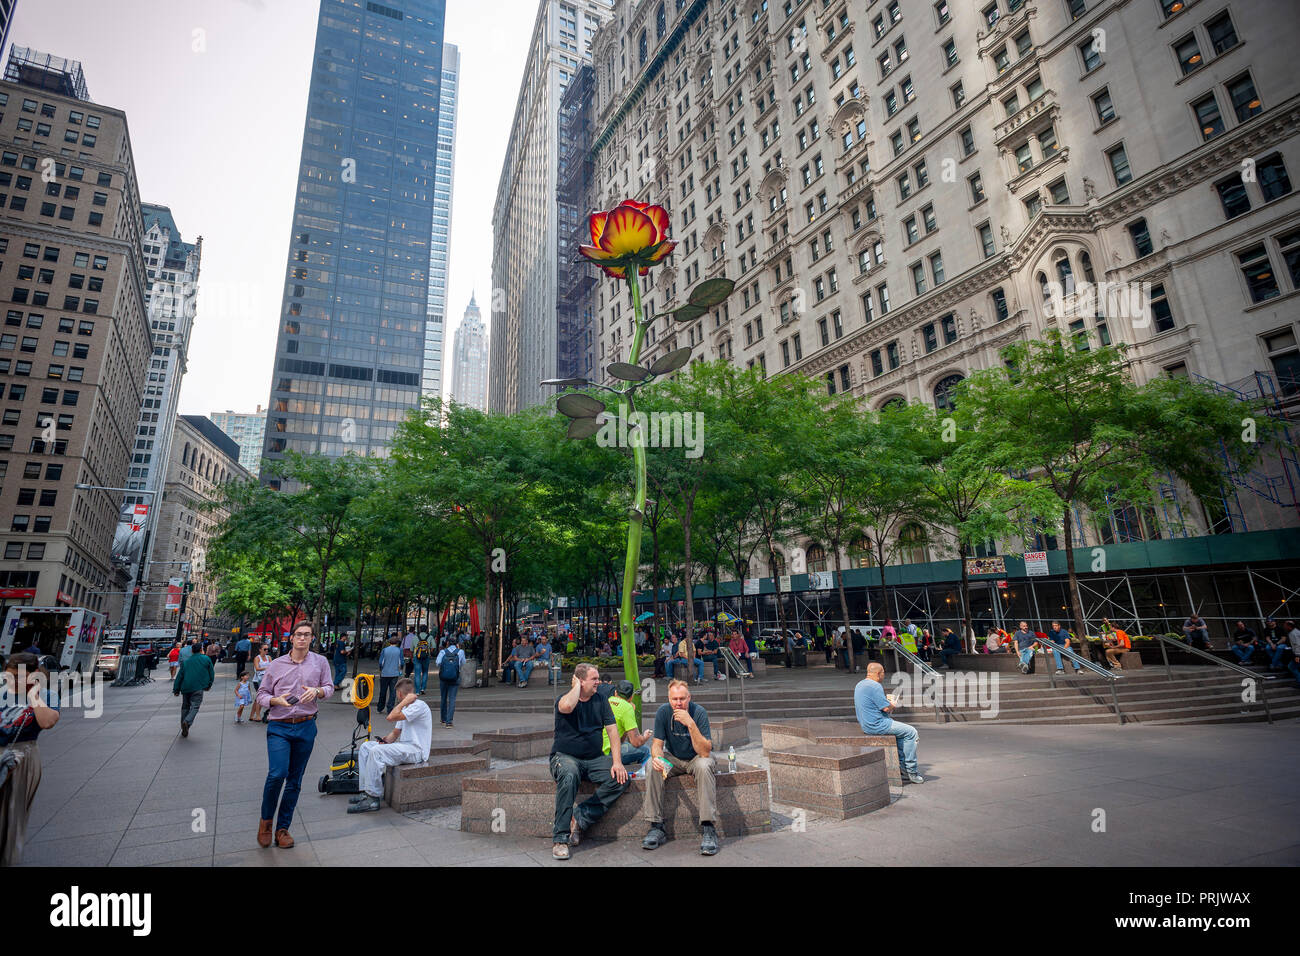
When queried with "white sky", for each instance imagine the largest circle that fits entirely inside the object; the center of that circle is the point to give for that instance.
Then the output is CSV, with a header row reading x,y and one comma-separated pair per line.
x,y
217,135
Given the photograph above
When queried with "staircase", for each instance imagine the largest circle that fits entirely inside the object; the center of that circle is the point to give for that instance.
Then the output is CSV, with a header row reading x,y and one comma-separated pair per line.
x,y
1195,695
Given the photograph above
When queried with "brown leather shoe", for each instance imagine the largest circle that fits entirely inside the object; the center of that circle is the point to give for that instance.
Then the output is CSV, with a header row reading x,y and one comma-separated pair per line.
x,y
264,833
283,840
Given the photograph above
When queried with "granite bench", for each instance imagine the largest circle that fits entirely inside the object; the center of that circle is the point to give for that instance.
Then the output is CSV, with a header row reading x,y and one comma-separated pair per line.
x,y
835,780
518,743
521,802
728,732
798,731
433,783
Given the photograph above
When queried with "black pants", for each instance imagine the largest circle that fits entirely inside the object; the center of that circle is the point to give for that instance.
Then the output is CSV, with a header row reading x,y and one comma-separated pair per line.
x,y
387,694
241,661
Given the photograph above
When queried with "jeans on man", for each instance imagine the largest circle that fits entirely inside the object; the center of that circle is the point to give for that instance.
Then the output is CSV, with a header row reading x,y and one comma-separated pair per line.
x,y
1059,665
421,677
947,658
387,694
1027,655
525,668
906,735
638,755
699,668
447,692
190,702
288,748
508,672
1244,652
568,773
241,662
1277,655
340,670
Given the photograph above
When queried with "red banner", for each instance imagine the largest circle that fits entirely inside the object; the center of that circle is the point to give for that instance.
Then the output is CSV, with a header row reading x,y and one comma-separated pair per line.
x,y
28,594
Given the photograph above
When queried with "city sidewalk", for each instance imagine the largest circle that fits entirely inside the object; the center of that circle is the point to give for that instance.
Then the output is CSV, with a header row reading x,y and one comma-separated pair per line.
x,y
125,789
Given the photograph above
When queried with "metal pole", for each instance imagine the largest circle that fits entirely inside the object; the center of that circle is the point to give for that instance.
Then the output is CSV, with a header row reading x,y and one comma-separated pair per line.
x,y
180,613
135,589
1250,576
1133,601
1164,652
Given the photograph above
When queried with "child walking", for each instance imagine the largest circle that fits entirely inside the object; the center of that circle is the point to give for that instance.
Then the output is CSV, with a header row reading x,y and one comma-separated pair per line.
x,y
243,697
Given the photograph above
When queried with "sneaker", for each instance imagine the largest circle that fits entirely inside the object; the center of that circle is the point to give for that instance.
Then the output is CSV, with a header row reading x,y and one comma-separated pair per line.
x,y
708,840
450,725
524,684
1060,670
1024,668
357,798
655,838
560,851
185,729
368,805
914,777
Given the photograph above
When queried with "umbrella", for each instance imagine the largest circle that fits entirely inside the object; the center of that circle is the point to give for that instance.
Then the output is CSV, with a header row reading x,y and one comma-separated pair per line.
x,y
726,617
645,615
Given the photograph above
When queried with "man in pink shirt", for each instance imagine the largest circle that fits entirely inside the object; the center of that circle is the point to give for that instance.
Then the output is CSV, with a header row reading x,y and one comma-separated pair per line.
x,y
291,686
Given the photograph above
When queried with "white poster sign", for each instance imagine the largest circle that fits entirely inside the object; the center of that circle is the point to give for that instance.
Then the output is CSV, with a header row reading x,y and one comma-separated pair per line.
x,y
1035,563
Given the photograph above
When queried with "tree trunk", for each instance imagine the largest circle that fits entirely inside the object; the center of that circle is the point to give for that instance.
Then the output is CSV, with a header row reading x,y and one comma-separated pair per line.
x,y
967,613
780,604
844,605
1076,605
489,625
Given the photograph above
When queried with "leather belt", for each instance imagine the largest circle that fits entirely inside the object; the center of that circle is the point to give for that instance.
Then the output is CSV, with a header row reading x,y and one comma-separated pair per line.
x,y
293,720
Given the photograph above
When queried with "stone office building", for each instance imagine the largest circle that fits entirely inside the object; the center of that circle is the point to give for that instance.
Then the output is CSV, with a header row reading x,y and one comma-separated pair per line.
x,y
75,347
202,459
902,187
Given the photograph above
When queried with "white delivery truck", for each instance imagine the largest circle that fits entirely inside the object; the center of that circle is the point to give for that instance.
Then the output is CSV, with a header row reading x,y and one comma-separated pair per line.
x,y
71,635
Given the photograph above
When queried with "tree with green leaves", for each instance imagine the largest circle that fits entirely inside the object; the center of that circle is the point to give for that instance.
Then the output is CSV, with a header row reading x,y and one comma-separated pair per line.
x,y
1071,419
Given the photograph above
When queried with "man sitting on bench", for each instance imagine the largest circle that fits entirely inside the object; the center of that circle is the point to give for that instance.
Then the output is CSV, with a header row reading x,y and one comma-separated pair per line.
x,y
682,745
635,741
407,744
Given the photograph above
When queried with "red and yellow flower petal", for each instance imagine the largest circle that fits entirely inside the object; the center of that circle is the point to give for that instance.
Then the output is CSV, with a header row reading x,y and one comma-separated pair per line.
x,y
634,204
595,253
597,223
614,272
659,216
627,232
665,249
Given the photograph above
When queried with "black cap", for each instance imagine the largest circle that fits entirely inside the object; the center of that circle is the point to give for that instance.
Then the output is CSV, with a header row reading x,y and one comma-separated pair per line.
x,y
624,688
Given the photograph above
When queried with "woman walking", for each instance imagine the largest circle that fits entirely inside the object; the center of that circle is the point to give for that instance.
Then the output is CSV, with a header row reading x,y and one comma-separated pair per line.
x,y
260,663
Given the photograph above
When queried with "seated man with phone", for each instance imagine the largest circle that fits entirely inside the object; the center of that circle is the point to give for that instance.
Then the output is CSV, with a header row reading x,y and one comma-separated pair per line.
x,y
409,743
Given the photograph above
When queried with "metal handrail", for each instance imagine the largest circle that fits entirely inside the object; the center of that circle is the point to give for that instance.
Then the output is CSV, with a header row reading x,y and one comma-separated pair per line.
x,y
1164,654
1096,669
898,648
730,660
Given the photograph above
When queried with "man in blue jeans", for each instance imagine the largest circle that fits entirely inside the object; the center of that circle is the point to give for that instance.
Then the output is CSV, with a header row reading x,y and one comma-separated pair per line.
x,y
873,709
340,660
291,686
390,668
449,663
421,656
1026,640
1059,635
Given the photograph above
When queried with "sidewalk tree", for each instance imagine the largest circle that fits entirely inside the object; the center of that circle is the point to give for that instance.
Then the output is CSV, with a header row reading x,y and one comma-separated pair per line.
x,y
1069,418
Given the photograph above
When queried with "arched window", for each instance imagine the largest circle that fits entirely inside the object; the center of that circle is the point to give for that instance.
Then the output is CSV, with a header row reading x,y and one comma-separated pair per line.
x,y
1043,288
661,23
912,545
203,461
898,401
860,553
185,455
816,558
641,45
1085,266
1064,273
943,392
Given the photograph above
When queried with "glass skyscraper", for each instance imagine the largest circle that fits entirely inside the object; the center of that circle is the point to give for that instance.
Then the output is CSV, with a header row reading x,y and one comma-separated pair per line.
x,y
348,357
436,320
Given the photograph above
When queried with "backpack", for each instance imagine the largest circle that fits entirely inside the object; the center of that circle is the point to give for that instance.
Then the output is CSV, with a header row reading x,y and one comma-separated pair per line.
x,y
449,669
421,649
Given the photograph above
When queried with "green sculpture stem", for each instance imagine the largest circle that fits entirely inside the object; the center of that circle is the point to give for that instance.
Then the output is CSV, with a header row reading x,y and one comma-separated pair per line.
x,y
637,516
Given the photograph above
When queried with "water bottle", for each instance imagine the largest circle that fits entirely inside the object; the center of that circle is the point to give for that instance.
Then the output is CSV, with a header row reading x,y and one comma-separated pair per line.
x,y
731,760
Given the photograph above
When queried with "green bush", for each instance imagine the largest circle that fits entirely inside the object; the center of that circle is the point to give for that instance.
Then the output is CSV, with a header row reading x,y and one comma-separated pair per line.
x,y
605,663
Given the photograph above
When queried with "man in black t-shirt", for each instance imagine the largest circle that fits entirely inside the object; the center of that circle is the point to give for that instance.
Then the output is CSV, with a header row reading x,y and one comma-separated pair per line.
x,y
582,718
